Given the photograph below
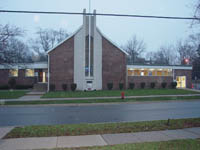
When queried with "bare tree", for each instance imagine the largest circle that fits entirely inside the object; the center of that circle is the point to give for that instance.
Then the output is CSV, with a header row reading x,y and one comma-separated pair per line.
x,y
38,53
197,9
7,31
186,51
195,42
166,55
198,52
135,48
46,39
50,37
9,44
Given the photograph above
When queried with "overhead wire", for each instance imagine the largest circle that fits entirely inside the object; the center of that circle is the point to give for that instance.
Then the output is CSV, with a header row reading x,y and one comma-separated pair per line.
x,y
100,14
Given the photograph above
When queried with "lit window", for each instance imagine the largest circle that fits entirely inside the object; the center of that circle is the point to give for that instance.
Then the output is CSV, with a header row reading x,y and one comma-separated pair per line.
x,y
29,73
13,73
159,72
165,73
154,72
130,73
137,72
145,72
170,72
150,73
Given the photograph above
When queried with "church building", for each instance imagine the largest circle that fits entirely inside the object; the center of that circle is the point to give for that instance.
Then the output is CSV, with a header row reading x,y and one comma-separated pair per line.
x,y
87,58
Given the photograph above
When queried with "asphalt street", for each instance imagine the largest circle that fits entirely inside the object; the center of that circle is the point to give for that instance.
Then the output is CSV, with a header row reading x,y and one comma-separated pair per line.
x,y
50,115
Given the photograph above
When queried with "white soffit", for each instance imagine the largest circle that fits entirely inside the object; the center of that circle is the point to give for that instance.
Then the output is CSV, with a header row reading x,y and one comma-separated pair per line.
x,y
42,65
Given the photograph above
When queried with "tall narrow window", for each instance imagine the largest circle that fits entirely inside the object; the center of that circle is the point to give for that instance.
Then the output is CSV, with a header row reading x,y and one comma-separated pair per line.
x,y
92,57
87,56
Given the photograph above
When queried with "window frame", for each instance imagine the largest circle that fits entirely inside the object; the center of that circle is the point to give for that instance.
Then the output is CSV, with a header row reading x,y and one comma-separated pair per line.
x,y
10,75
30,76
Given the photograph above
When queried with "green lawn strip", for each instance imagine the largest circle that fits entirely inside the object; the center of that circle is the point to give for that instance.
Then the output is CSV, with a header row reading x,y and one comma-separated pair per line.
x,y
11,94
135,92
101,100
186,144
104,128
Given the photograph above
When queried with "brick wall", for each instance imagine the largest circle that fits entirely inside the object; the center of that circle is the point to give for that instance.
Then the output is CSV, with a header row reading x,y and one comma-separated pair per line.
x,y
113,65
20,80
62,64
137,80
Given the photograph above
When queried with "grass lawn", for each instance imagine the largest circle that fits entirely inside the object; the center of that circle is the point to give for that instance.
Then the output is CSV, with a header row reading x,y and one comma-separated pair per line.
x,y
189,144
104,128
118,100
135,92
11,94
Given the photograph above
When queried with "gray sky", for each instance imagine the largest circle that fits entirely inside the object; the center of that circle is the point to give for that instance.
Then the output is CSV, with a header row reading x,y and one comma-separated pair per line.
x,y
153,31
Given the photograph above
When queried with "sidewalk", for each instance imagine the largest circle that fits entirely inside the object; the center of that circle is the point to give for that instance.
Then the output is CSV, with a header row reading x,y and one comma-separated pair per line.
x,y
196,90
98,140
37,98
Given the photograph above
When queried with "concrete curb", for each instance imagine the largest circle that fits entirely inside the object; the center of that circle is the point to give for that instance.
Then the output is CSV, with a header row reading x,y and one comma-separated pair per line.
x,y
90,98
102,104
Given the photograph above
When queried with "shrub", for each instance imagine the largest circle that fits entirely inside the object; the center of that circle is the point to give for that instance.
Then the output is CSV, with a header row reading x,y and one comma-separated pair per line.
x,y
163,84
152,85
12,83
23,86
64,87
52,87
4,87
121,85
131,86
142,85
173,84
73,86
110,86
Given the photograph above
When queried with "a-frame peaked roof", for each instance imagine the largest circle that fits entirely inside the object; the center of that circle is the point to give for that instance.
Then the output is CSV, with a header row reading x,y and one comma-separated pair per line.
x,y
98,30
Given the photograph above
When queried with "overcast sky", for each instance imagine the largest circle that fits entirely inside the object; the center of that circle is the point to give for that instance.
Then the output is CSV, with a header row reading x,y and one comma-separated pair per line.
x,y
155,32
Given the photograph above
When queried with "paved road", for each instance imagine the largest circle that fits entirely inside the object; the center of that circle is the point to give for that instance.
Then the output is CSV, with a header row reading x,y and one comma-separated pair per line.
x,y
46,115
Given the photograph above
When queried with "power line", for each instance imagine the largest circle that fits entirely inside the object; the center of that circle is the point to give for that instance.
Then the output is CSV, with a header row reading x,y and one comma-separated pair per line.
x,y
99,14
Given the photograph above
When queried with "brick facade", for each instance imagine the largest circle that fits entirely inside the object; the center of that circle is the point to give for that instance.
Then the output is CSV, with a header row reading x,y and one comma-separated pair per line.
x,y
137,80
113,65
62,64
20,80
